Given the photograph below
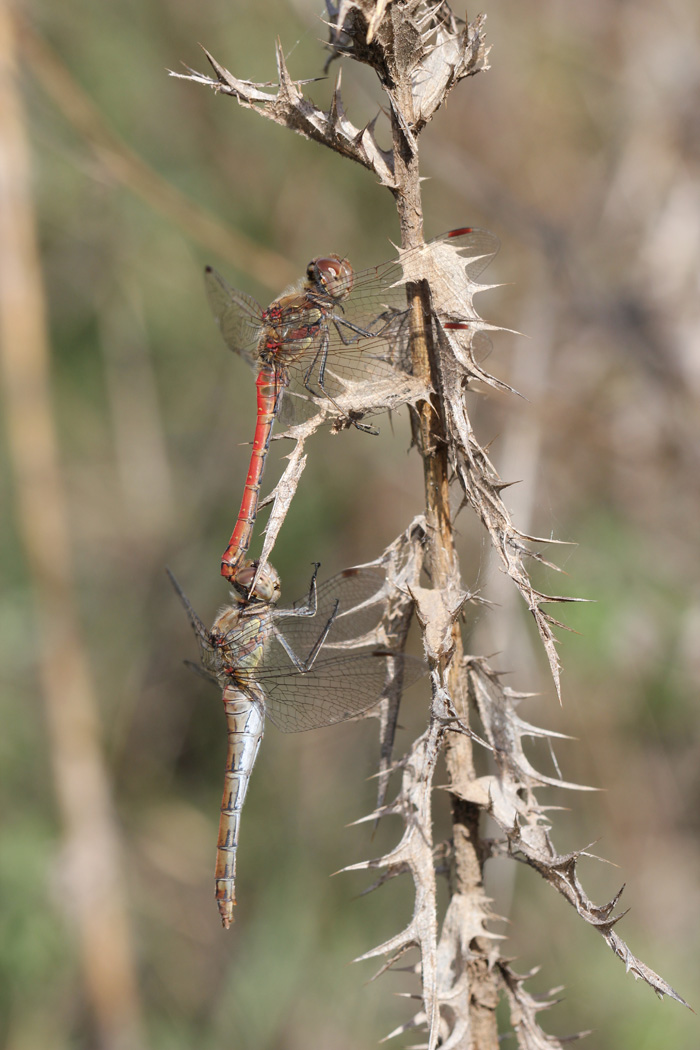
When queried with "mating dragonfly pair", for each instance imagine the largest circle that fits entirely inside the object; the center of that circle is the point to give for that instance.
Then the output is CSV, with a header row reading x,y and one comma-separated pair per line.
x,y
321,661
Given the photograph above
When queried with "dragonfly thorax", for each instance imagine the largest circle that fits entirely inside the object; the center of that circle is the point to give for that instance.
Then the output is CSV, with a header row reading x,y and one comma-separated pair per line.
x,y
236,642
292,323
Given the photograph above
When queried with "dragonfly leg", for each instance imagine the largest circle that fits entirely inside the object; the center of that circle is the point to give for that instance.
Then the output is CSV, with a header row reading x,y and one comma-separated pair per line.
x,y
305,665
309,606
339,320
385,319
322,355
309,609
320,358
364,428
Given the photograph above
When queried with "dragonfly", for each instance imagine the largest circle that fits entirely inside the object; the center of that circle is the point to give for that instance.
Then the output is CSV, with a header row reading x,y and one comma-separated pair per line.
x,y
312,665
334,325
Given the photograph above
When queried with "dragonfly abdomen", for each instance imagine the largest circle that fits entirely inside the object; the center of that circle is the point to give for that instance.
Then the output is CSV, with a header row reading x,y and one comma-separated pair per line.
x,y
245,720
269,386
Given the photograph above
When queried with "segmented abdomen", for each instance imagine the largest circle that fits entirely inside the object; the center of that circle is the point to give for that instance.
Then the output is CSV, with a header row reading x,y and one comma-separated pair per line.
x,y
245,720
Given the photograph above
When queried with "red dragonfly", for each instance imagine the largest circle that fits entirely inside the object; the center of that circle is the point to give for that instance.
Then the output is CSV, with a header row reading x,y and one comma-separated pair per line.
x,y
332,326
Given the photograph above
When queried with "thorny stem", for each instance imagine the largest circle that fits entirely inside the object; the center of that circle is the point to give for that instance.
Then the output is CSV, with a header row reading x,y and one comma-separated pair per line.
x,y
430,435
420,52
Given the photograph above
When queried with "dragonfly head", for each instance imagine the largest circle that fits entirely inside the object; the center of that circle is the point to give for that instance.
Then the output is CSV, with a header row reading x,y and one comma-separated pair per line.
x,y
267,588
331,274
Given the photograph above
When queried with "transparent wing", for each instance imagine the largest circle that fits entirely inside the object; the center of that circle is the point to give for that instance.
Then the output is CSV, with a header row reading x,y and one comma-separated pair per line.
x,y
368,332
238,316
361,595
375,293
335,689
362,336
369,358
350,673
477,247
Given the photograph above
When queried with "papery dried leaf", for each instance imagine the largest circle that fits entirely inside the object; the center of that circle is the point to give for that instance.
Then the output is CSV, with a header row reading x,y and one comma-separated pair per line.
x,y
414,852
437,612
358,399
480,483
456,50
289,107
282,497
513,805
524,1009
420,44
402,561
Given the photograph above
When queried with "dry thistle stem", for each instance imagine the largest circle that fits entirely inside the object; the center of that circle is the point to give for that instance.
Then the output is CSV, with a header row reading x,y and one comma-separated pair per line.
x,y
420,51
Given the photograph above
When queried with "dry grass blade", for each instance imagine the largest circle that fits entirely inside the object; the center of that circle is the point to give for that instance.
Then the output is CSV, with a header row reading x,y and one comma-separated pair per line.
x,y
95,900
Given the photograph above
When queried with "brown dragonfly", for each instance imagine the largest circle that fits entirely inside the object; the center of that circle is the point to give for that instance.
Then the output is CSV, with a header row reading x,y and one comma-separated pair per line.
x,y
308,666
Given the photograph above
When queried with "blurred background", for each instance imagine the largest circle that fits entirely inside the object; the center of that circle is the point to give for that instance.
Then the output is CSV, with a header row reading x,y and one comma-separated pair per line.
x,y
580,150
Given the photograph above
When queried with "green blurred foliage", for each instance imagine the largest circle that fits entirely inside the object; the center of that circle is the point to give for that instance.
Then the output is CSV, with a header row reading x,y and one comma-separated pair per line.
x,y
577,149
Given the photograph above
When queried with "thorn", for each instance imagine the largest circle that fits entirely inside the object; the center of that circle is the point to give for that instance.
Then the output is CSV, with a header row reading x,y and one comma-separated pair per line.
x,y
381,811
405,940
282,72
222,74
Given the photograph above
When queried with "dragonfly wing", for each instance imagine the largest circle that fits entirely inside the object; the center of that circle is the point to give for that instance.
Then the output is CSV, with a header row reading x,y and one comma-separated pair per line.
x,y
297,405
238,316
477,247
350,673
201,671
361,595
379,292
335,689
368,331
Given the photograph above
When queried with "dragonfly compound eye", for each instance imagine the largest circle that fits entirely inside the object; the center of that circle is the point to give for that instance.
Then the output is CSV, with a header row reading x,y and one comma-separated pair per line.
x,y
267,589
332,273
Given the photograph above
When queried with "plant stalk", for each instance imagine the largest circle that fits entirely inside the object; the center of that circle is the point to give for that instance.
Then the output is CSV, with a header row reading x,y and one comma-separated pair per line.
x,y
429,429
